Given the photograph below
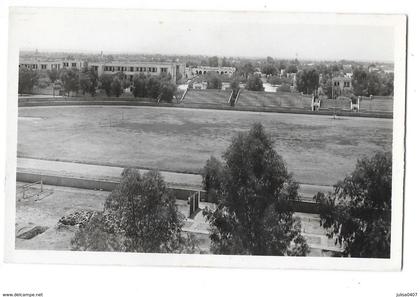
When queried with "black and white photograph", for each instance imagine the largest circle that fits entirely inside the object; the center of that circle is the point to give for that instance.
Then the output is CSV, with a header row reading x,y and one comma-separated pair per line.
x,y
206,138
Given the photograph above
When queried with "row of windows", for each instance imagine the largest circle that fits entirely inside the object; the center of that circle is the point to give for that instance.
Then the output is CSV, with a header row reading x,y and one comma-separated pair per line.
x,y
346,84
132,69
53,66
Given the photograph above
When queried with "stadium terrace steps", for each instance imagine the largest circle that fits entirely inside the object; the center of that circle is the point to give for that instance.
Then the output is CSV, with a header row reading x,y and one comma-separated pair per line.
x,y
276,100
341,104
207,97
377,105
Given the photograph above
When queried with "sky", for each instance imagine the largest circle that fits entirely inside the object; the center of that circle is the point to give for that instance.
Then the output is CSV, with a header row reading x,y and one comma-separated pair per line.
x,y
244,34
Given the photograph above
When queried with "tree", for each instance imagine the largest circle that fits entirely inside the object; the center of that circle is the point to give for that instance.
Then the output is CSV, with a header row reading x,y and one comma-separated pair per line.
x,y
153,84
212,175
139,86
214,61
253,191
307,81
125,83
139,215
70,79
254,83
387,88
247,69
226,63
359,82
269,69
116,87
27,80
270,60
358,212
235,86
53,74
167,90
105,83
291,68
88,81
214,81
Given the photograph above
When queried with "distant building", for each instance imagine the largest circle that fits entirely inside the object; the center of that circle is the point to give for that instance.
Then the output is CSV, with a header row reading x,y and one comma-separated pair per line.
x,y
131,69
57,64
200,70
342,82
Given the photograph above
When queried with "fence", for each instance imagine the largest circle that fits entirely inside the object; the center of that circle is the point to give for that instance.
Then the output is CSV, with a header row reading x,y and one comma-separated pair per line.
x,y
33,189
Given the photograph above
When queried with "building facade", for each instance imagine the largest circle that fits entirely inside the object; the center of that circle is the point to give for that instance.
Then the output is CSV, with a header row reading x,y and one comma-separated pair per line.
x,y
342,82
131,69
35,64
200,70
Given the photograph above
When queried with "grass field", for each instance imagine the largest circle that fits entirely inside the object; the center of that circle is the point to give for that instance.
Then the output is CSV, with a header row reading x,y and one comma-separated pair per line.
x,y
317,149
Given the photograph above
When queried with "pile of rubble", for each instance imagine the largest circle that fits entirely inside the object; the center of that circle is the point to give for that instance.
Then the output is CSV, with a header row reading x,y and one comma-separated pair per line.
x,y
78,218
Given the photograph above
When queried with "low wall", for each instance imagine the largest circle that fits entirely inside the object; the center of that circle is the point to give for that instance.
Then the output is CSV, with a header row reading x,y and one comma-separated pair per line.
x,y
90,184
362,113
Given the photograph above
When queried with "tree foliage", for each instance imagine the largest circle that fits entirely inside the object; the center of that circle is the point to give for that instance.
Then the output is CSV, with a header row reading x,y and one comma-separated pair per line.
x,y
27,80
214,81
168,90
269,69
105,83
214,61
139,86
139,215
291,68
116,86
254,83
88,80
358,212
154,86
246,69
53,74
70,79
372,83
253,190
307,81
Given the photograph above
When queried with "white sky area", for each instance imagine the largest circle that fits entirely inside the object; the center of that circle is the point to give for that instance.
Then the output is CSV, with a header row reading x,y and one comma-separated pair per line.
x,y
245,34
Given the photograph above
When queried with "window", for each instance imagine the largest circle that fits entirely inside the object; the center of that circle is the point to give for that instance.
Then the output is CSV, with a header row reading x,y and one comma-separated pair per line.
x,y
73,64
65,64
164,70
131,69
150,69
43,66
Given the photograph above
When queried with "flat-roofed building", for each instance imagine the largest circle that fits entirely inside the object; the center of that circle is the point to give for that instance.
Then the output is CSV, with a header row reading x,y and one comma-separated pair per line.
x,y
200,70
131,69
58,64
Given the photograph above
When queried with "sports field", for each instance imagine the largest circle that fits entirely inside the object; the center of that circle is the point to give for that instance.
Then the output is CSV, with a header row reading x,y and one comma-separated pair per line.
x,y
317,149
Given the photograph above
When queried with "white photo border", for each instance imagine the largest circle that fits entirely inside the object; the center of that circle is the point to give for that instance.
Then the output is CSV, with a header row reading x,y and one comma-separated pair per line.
x,y
398,22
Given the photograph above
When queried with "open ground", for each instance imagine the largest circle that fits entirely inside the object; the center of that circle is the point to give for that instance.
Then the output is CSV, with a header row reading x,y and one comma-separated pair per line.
x,y
317,149
48,208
